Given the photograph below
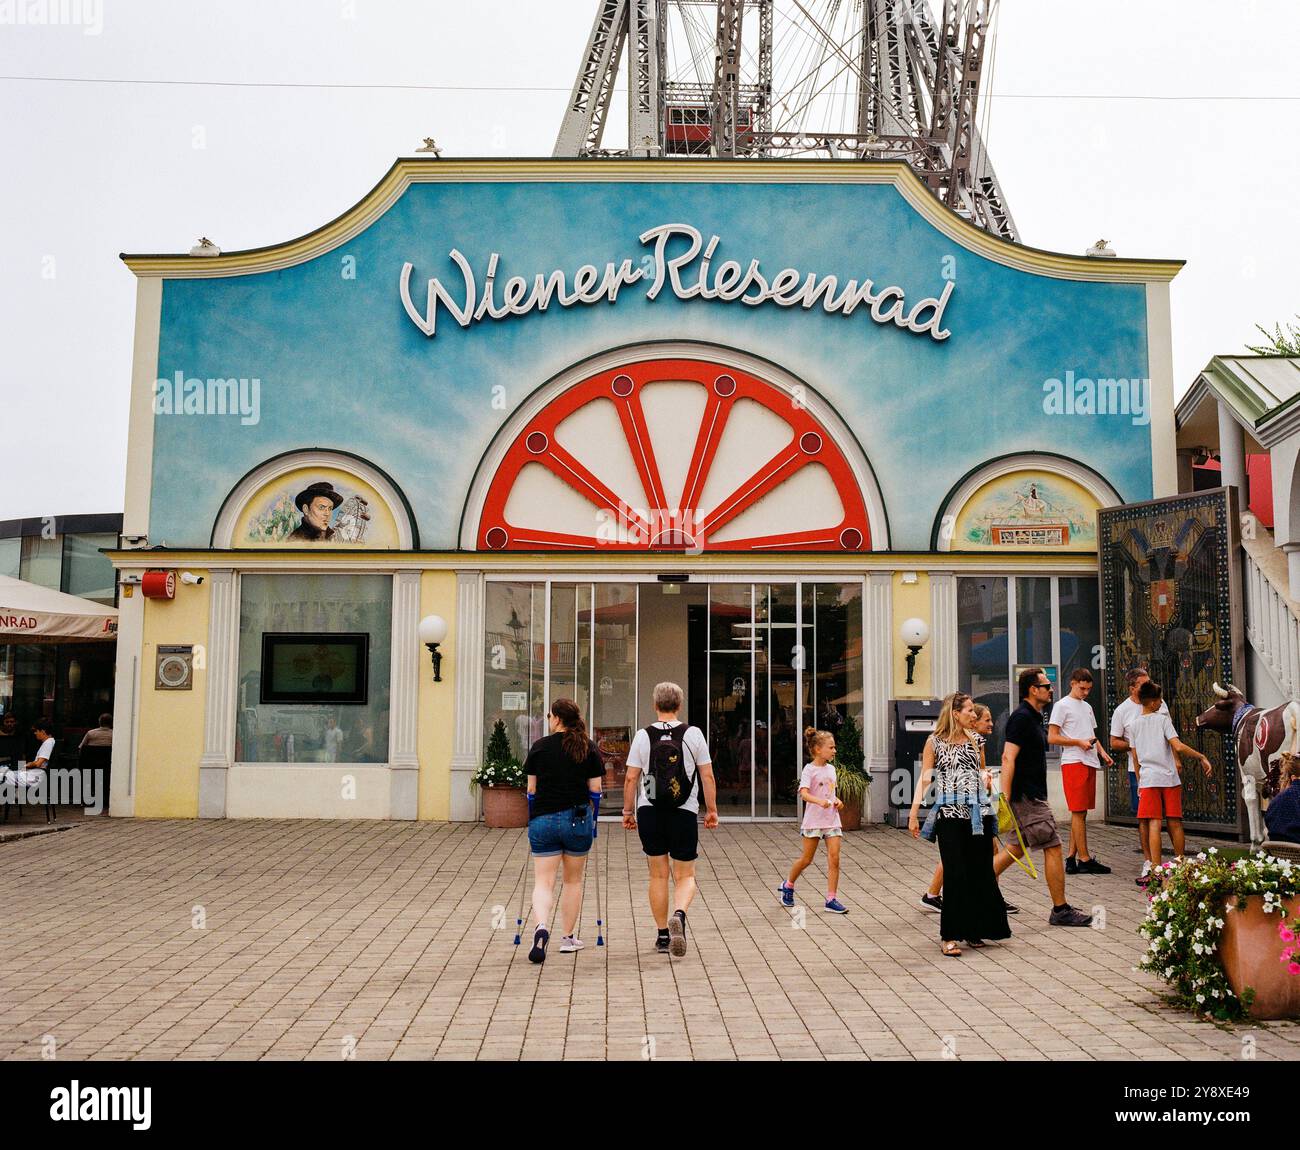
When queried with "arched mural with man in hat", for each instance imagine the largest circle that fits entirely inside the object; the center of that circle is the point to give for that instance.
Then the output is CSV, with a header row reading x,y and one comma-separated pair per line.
x,y
316,506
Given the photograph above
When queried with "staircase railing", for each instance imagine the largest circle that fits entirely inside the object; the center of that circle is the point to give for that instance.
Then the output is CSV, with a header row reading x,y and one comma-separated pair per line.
x,y
1272,629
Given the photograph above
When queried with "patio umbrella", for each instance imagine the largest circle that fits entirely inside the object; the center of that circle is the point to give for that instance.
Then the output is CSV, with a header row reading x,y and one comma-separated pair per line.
x,y
30,613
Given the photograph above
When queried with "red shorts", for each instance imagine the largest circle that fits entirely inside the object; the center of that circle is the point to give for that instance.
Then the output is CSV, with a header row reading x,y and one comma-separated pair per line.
x,y
1155,801
1080,783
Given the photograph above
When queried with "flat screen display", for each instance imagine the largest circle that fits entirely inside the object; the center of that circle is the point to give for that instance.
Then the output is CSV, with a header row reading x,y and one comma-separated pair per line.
x,y
306,668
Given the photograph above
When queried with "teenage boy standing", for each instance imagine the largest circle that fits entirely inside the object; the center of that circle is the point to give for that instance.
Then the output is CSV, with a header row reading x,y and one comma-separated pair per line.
x,y
1156,746
1124,714
1073,726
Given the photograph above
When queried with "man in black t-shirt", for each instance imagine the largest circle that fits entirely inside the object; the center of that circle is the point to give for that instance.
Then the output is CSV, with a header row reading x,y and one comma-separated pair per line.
x,y
1024,781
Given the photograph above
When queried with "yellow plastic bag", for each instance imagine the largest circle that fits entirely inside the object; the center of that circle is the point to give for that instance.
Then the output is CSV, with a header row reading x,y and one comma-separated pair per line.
x,y
1006,825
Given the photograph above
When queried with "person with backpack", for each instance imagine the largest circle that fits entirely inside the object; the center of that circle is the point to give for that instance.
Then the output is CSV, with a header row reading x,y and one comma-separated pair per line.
x,y
821,818
669,770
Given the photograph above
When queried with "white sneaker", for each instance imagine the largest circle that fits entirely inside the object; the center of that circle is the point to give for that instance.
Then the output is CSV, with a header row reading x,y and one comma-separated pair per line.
x,y
568,944
1146,867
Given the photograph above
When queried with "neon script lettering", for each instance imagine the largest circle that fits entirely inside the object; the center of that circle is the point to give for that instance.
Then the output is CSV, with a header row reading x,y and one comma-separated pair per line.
x,y
689,273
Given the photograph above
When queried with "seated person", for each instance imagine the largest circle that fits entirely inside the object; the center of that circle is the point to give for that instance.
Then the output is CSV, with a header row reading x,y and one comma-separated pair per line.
x,y
45,753
11,742
1283,814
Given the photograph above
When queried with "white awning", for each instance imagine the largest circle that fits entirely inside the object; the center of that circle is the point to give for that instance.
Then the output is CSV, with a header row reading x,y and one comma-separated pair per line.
x,y
31,613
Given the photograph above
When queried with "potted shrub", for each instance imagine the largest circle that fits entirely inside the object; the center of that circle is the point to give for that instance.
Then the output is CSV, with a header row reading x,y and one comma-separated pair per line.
x,y
851,779
1223,934
502,781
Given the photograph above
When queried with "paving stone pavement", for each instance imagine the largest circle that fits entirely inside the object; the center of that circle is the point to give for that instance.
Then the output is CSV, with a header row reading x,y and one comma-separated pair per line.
x,y
269,939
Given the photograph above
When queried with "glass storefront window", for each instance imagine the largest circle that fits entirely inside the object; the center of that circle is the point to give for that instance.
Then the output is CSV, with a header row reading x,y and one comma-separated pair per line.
x,y
513,664
11,557
42,561
738,739
1080,622
983,655
28,673
306,732
615,708
86,572
1034,620
986,651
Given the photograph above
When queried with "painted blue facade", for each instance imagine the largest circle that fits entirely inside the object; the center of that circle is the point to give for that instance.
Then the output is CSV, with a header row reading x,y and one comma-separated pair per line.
x,y
342,365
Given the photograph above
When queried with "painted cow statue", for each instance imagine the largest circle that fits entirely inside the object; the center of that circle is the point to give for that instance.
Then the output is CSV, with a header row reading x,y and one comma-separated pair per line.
x,y
1258,737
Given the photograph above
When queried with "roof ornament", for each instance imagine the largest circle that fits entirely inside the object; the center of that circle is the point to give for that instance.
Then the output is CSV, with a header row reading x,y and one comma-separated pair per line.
x,y
430,146
205,247
1101,250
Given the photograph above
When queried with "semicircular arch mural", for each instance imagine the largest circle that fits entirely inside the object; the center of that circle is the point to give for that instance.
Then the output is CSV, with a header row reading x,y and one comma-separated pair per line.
x,y
315,497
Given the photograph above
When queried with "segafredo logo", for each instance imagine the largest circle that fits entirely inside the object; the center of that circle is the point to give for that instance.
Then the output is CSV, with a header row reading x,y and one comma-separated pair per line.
x,y
690,274
77,1103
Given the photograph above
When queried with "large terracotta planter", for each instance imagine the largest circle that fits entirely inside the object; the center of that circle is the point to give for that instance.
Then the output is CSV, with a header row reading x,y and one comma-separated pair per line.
x,y
851,817
1251,952
505,806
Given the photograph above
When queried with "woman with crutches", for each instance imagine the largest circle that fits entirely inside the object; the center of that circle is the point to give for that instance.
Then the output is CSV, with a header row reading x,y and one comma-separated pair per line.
x,y
565,772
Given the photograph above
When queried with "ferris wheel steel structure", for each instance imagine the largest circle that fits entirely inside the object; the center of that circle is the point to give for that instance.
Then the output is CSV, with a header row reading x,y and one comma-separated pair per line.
x,y
758,78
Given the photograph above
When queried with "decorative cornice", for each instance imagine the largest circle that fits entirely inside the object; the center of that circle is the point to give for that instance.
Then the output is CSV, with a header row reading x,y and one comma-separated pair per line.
x,y
563,565
422,170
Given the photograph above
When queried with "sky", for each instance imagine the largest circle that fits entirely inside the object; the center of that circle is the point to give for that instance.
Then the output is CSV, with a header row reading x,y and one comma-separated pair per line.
x,y
1165,127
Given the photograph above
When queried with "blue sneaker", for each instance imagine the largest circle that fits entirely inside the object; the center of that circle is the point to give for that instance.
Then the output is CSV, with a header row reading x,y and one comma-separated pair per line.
x,y
787,894
836,907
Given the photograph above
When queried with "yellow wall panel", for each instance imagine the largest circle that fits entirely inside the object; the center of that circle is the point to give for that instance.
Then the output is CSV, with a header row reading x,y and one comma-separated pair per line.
x,y
911,600
437,700
170,740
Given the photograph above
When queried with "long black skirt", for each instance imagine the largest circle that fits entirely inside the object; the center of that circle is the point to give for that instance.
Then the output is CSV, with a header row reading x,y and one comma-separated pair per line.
x,y
972,904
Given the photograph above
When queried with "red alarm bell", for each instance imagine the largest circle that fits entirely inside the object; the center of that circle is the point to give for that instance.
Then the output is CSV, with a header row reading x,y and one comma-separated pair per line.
x,y
159,584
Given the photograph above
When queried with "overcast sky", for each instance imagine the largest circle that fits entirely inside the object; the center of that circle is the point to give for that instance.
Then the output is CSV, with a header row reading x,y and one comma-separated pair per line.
x,y
1164,126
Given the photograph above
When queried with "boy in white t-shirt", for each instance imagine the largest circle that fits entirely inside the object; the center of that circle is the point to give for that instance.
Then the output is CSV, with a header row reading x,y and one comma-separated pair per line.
x,y
1156,746
1073,726
1124,714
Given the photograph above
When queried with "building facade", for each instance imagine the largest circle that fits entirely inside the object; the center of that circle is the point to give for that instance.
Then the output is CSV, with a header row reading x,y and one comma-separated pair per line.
x,y
727,423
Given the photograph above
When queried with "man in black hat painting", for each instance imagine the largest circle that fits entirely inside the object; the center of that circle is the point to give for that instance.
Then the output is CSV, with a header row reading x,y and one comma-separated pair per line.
x,y
317,504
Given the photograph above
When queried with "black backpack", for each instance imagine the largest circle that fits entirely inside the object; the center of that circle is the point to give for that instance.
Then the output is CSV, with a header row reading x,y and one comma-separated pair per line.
x,y
669,785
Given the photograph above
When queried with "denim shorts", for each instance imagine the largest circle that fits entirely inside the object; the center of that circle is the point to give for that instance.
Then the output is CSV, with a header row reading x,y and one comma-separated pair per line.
x,y
563,832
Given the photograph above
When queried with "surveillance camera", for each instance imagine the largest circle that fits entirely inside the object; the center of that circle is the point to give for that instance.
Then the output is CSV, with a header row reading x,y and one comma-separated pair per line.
x,y
190,577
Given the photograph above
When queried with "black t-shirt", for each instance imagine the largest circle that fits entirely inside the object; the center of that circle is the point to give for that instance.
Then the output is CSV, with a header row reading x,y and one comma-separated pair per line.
x,y
561,783
13,747
1025,729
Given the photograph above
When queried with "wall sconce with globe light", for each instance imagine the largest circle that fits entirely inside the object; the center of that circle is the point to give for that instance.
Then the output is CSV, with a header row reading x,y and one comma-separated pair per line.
x,y
914,633
433,630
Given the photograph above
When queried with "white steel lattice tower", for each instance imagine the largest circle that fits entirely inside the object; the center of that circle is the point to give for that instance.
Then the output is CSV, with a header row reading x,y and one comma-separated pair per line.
x,y
847,79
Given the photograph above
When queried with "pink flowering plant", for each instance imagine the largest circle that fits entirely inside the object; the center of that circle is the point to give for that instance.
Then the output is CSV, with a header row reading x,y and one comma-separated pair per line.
x,y
1189,900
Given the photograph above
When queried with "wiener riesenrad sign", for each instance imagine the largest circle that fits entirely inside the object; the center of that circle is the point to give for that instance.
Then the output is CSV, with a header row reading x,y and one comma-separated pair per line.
x,y
690,272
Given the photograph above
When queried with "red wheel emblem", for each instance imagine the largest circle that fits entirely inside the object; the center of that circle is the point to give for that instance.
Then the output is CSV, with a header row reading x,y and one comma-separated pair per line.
x,y
674,454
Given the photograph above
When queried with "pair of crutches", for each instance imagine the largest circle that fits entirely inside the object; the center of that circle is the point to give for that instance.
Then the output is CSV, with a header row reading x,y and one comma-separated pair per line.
x,y
522,917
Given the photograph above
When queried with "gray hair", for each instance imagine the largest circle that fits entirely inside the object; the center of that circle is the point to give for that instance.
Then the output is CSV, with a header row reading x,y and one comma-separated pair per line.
x,y
669,698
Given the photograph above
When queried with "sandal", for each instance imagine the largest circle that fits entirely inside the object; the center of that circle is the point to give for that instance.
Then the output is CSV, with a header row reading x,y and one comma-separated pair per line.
x,y
976,943
951,949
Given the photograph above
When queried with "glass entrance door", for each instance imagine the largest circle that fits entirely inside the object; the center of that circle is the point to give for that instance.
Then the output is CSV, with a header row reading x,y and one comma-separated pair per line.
x,y
758,662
